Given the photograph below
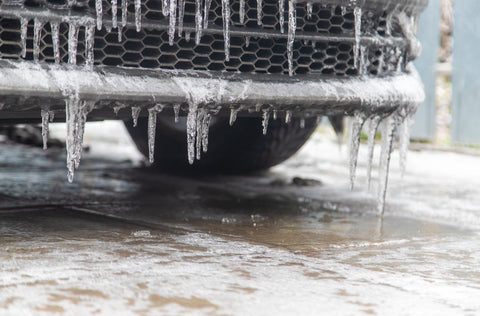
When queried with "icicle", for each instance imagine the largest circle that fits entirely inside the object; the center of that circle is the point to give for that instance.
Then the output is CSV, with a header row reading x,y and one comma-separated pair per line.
x,y
23,35
355,134
275,114
226,27
138,14
114,14
152,125
381,62
404,142
206,11
259,11
99,10
388,134
344,10
309,10
288,116
187,36
176,111
181,15
173,19
45,120
358,28
37,30
265,118
165,10
205,129
124,12
76,115
51,114
302,123
247,41
292,25
89,42
371,133
242,11
135,113
199,125
399,56
233,115
55,41
281,9
198,21
191,130
119,34
363,61
72,43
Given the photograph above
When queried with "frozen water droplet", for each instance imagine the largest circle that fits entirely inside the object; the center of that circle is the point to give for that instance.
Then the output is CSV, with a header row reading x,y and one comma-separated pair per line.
x,y
72,43
198,21
23,35
372,128
114,14
226,27
355,135
265,119
191,131
176,111
242,11
99,11
135,113
281,10
173,20
55,27
358,28
37,30
288,116
259,11
45,120
89,41
388,134
309,10
181,15
138,14
292,26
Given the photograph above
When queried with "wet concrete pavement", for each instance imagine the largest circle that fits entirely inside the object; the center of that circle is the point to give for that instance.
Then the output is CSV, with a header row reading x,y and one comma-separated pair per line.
x,y
125,240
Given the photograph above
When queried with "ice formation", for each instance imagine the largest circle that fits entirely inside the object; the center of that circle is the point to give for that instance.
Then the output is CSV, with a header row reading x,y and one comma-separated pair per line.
x,y
202,99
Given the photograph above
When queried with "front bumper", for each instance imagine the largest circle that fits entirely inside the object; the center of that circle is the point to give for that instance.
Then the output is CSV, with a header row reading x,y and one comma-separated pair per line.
x,y
25,87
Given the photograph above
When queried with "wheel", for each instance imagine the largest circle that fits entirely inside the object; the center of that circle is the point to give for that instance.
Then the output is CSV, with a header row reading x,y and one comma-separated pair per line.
x,y
240,148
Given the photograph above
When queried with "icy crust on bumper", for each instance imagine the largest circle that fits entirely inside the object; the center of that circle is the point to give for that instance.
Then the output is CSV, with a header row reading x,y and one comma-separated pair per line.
x,y
23,84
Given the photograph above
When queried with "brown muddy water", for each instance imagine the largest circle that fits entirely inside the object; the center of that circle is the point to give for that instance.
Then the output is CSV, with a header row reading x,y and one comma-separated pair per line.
x,y
123,240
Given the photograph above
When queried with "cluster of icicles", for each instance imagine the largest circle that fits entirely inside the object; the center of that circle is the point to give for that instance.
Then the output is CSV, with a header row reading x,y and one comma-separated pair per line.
x,y
170,9
197,128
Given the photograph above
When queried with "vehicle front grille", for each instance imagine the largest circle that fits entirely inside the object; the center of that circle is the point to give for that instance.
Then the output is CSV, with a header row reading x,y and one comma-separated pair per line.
x,y
324,42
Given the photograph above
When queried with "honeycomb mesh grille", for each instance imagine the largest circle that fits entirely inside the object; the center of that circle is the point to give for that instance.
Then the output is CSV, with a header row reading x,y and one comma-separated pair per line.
x,y
150,48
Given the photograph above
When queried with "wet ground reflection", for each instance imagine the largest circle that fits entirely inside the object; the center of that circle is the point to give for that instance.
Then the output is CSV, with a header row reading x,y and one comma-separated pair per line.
x,y
125,240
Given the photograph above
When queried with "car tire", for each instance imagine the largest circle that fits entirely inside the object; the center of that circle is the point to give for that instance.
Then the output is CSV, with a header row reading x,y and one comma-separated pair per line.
x,y
236,149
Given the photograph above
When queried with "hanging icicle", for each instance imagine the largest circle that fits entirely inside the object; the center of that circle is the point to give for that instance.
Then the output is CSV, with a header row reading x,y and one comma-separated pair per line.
x,y
371,134
198,21
288,116
292,26
242,11
89,43
37,33
355,135
358,28
226,27
138,14
265,119
191,131
72,43
259,11
181,15
389,127
206,11
55,27
45,120
99,11
173,19
23,36
135,113
114,13
281,10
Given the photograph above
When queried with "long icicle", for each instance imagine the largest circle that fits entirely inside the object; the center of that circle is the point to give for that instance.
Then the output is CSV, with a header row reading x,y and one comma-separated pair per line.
x,y
165,9
138,14
173,19
176,112
206,11
23,35
181,15
242,11
114,13
37,32
205,129
152,125
226,27
199,123
89,43
55,27
45,120
99,11
198,21
124,12
404,142
72,43
135,113
358,28
259,11
292,26
372,133
389,127
355,135
281,10
265,119
191,130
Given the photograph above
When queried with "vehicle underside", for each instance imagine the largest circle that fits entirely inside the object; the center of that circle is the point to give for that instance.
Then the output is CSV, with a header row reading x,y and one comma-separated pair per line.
x,y
209,61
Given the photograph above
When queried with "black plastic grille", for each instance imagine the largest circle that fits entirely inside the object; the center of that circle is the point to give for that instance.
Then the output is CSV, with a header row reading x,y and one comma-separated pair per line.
x,y
150,48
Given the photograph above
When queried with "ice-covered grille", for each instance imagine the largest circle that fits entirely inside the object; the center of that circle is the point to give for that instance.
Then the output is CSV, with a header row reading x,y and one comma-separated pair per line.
x,y
150,48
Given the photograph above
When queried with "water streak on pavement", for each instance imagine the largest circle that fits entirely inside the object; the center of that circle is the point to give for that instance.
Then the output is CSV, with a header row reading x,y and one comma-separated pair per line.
x,y
125,240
